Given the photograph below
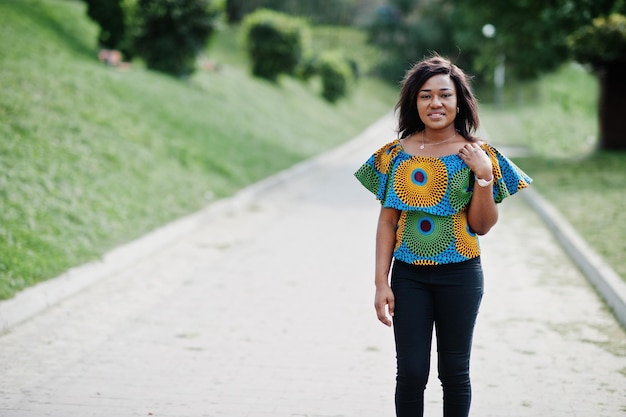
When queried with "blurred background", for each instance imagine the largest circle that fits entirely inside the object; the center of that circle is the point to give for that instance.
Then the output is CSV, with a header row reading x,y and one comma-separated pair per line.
x,y
118,116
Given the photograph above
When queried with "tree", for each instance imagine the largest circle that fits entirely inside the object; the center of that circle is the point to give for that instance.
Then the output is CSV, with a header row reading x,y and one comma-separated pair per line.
x,y
236,10
532,33
602,44
534,36
406,33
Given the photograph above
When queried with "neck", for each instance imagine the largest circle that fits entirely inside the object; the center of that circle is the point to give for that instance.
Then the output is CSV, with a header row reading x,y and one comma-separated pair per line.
x,y
434,136
434,142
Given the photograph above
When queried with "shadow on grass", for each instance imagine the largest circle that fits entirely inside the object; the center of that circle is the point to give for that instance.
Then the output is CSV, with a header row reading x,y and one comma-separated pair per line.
x,y
41,17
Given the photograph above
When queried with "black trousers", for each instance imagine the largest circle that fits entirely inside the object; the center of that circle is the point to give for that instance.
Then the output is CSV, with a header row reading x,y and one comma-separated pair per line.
x,y
446,297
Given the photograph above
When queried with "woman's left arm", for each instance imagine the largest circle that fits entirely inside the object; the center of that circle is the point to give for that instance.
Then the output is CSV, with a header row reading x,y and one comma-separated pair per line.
x,y
482,213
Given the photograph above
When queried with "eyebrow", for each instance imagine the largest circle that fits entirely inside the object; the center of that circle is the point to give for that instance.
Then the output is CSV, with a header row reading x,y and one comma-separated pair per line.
x,y
441,89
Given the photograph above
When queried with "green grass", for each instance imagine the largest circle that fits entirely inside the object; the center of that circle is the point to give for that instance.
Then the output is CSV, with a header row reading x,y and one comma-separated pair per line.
x,y
92,157
556,118
557,122
590,193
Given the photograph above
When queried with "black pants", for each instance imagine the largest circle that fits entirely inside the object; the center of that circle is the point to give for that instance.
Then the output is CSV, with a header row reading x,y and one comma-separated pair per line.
x,y
448,297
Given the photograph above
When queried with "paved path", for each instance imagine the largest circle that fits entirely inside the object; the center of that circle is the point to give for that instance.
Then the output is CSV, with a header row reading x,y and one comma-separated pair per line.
x,y
265,310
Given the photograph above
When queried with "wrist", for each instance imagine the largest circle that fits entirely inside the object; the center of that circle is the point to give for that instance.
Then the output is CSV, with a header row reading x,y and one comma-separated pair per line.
x,y
482,182
381,283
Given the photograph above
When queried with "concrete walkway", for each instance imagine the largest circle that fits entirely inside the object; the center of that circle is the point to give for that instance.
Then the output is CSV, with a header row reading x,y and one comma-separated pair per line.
x,y
264,308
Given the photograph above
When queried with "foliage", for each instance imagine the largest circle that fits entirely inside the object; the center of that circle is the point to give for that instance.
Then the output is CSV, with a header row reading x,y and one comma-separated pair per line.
x,y
93,157
407,34
532,33
109,15
236,10
336,12
600,43
405,6
276,43
171,33
335,73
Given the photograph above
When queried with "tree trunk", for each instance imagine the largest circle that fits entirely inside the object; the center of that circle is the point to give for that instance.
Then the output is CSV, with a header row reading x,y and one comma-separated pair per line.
x,y
612,107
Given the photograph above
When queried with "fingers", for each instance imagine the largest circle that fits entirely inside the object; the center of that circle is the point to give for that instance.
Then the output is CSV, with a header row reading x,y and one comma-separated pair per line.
x,y
382,309
469,148
475,158
384,319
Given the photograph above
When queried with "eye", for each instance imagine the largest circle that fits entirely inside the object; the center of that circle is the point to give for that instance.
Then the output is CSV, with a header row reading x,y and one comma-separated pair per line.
x,y
425,96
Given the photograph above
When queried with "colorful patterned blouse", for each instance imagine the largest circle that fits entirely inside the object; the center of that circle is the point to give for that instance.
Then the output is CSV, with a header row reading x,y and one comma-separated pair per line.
x,y
433,194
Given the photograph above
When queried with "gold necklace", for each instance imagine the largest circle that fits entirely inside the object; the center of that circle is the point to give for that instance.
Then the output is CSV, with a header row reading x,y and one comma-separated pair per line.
x,y
438,143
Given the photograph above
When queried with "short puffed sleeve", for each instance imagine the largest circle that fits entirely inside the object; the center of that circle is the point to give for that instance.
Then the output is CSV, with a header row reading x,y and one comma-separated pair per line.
x,y
375,173
508,177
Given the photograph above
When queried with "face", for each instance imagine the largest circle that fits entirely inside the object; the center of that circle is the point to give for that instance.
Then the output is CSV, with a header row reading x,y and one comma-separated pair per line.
x,y
437,102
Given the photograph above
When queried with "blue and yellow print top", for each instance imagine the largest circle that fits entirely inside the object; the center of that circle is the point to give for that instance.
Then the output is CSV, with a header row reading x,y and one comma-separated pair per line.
x,y
433,194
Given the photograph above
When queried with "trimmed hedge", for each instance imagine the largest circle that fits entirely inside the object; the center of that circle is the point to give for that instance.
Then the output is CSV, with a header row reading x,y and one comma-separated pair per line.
x,y
276,43
336,74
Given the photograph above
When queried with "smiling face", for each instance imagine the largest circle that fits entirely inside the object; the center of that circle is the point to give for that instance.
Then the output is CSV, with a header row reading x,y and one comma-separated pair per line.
x,y
437,102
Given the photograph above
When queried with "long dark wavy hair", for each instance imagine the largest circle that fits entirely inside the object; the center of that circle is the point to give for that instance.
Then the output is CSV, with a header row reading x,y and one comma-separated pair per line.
x,y
409,122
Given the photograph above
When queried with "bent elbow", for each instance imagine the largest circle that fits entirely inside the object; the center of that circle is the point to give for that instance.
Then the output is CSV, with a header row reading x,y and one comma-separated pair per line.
x,y
483,227
483,231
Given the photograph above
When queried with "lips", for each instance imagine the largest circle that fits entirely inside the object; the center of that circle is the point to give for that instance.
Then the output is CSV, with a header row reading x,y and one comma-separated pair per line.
x,y
436,116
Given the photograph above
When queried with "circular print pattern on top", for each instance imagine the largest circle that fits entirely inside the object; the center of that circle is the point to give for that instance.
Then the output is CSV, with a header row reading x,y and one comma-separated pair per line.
x,y
433,194
420,184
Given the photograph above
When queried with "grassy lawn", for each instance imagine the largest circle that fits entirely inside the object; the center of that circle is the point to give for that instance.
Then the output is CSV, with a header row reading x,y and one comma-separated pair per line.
x,y
557,121
92,157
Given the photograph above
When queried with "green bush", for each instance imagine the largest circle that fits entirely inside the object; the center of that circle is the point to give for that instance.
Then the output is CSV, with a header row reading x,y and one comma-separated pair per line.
x,y
109,15
336,74
171,33
307,69
275,42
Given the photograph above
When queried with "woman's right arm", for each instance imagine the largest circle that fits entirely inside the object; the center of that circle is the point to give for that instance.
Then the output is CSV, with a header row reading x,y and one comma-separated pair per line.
x,y
385,244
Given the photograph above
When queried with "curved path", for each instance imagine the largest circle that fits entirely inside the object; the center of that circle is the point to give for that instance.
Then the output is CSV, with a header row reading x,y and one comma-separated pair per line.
x,y
262,307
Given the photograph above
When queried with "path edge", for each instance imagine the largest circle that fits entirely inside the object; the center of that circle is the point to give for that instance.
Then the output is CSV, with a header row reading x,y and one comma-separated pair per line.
x,y
607,283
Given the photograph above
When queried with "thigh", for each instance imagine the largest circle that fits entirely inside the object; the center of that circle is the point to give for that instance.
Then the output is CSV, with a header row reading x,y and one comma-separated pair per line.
x,y
456,305
413,314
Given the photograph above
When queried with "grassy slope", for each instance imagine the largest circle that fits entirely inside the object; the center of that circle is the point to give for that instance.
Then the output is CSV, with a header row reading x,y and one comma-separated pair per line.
x,y
558,123
92,157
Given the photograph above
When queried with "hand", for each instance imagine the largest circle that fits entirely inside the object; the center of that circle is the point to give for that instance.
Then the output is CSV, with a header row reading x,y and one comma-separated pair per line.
x,y
384,302
477,160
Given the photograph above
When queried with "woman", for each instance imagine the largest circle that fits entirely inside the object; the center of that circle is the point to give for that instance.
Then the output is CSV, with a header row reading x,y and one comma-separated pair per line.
x,y
438,186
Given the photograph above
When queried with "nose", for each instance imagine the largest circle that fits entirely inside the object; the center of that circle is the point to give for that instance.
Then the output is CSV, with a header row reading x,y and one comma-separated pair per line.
x,y
436,102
